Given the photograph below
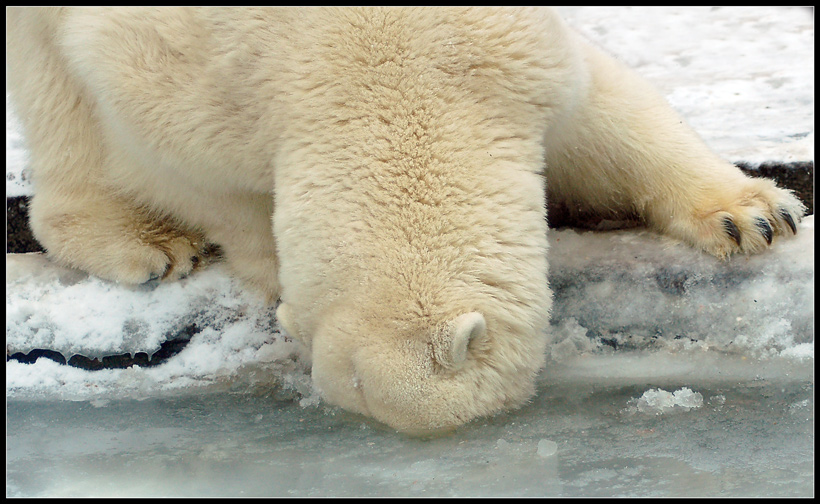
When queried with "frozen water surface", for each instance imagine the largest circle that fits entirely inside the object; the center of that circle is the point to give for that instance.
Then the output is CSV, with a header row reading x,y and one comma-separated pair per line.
x,y
748,438
671,374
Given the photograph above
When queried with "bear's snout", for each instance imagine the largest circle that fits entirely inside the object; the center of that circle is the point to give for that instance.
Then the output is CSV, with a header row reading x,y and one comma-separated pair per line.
x,y
417,384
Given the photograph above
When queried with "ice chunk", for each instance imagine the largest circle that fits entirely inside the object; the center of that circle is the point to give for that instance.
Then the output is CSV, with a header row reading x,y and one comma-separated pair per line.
x,y
659,401
546,448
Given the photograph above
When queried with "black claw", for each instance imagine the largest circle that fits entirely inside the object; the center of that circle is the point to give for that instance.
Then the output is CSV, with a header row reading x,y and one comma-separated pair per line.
x,y
765,229
733,231
789,220
168,269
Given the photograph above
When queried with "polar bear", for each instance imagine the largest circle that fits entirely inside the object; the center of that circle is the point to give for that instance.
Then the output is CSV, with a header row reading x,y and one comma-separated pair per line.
x,y
379,171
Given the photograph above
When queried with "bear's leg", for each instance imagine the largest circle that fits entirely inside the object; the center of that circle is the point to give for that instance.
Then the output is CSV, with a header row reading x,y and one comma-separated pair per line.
x,y
111,238
624,150
243,229
80,220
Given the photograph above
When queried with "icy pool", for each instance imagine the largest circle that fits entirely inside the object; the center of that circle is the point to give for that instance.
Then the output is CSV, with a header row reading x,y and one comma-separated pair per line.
x,y
748,438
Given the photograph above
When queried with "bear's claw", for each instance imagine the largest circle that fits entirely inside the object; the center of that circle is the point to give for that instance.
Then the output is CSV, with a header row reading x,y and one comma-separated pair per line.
x,y
732,230
765,229
749,221
787,216
763,226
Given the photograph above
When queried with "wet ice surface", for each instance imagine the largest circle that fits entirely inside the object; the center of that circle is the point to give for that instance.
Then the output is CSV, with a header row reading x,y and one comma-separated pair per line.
x,y
672,374
747,439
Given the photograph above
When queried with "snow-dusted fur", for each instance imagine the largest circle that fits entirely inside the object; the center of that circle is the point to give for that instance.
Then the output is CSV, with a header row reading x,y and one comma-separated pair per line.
x,y
379,170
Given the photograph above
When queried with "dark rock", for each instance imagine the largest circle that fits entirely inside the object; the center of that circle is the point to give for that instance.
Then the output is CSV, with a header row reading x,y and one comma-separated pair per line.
x,y
797,176
19,238
35,354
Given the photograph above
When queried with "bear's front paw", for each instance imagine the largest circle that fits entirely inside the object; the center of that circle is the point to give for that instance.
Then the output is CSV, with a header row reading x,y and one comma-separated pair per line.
x,y
122,245
167,256
746,220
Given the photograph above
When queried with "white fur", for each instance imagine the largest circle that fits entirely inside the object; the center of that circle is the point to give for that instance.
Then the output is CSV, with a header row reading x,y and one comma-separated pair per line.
x,y
379,170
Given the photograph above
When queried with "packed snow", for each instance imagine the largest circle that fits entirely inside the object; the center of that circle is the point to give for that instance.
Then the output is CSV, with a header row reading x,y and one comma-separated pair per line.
x,y
671,373
622,290
742,77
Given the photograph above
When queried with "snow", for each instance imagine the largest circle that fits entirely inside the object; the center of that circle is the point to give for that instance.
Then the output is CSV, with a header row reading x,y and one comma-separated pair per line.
x,y
742,77
671,373
17,173
629,290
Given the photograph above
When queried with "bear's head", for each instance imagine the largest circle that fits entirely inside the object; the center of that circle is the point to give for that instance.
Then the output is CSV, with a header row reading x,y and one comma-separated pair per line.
x,y
421,375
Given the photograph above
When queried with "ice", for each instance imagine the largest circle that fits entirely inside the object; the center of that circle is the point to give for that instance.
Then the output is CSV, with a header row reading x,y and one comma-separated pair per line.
x,y
636,321
659,401
69,312
546,448
631,289
758,442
